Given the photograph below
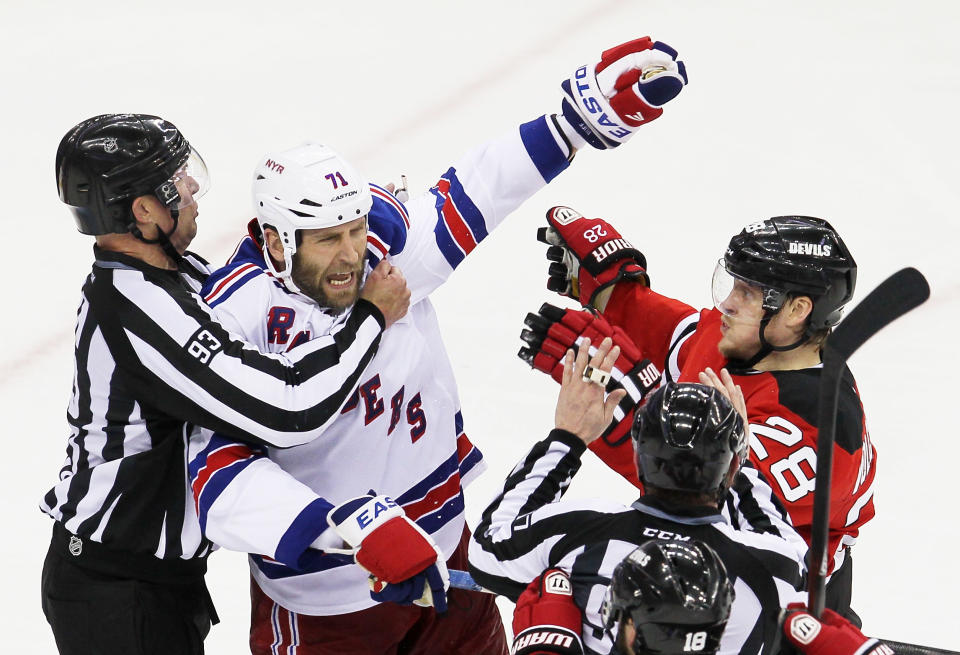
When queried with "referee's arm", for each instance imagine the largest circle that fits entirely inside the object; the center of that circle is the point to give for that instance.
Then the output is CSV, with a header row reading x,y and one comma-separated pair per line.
x,y
190,366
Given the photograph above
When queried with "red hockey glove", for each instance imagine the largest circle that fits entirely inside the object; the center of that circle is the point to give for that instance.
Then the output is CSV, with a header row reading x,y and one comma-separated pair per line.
x,y
553,330
394,550
546,620
605,103
588,255
831,635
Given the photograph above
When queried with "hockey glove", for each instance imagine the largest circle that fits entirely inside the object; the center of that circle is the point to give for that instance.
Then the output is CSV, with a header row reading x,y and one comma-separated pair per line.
x,y
546,620
553,330
605,103
831,635
588,255
394,550
424,589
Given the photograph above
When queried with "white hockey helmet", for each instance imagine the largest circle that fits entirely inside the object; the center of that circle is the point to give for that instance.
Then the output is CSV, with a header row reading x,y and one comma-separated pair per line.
x,y
304,188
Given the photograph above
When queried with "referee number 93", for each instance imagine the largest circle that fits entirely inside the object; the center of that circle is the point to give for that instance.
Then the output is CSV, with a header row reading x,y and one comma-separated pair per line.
x,y
203,346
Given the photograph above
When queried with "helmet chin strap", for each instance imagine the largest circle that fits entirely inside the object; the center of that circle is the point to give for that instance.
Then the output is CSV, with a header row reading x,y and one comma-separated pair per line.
x,y
766,347
286,275
163,238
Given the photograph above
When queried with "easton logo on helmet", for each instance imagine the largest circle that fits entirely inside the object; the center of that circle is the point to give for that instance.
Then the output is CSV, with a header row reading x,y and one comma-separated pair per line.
x,y
815,249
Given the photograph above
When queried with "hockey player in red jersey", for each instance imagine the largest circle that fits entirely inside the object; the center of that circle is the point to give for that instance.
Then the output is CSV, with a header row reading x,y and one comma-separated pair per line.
x,y
778,290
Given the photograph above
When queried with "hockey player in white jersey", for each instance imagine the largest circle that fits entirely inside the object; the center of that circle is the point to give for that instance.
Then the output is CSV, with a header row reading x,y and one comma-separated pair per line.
x,y
379,497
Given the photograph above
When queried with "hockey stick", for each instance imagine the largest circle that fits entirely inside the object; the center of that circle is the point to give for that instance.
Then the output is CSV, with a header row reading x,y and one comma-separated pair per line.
x,y
897,295
463,580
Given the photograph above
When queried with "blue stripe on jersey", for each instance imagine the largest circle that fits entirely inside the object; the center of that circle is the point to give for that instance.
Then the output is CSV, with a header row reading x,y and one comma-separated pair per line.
x,y
234,286
311,562
391,199
435,520
215,485
386,221
473,458
439,476
308,525
248,252
464,207
542,146
451,251
469,211
458,423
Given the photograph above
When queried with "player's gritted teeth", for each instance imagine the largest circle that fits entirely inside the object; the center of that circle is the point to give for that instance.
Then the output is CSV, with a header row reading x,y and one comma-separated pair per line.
x,y
340,280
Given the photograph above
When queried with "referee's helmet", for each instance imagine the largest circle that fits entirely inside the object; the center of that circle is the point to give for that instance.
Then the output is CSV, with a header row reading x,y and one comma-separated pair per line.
x,y
677,595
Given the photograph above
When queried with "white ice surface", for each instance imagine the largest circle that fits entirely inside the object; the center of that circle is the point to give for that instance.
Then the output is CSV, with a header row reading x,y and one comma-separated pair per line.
x,y
845,110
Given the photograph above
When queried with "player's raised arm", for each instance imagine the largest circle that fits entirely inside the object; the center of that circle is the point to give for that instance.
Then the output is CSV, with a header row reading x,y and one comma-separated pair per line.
x,y
602,105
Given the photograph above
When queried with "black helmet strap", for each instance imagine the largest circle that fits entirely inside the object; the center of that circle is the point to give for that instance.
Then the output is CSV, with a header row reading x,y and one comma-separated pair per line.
x,y
163,238
765,346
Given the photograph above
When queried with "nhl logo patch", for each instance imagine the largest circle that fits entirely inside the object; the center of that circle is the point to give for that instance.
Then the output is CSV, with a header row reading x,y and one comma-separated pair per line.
x,y
75,546
558,583
565,215
804,629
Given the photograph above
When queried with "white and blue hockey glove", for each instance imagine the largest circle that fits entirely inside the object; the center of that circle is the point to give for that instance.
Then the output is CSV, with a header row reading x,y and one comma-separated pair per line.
x,y
404,563
605,103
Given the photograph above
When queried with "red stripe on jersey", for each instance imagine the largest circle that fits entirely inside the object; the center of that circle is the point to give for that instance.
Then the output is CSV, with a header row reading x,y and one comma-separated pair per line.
x,y
378,244
454,221
464,447
217,460
389,197
225,282
435,498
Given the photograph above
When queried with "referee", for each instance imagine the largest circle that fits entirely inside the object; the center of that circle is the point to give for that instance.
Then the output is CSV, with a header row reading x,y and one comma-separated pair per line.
x,y
124,572
690,445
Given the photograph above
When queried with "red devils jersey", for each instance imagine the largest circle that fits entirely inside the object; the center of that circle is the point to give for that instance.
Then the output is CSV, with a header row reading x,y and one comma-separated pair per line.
x,y
781,406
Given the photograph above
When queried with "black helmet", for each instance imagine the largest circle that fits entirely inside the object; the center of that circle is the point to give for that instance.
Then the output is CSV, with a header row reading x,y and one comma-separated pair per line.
x,y
676,592
796,254
106,161
686,437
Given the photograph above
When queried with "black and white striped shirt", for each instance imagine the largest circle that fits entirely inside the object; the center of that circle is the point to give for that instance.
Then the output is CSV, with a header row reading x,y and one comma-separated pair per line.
x,y
151,365
526,530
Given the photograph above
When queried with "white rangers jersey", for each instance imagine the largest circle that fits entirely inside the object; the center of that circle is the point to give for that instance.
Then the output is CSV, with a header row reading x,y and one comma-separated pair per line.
x,y
400,432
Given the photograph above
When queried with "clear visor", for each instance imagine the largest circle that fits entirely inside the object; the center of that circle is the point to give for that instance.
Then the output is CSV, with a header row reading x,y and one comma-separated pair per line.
x,y
736,298
186,185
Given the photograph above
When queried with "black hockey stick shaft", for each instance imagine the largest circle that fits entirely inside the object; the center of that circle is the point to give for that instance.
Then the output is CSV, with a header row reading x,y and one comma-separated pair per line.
x,y
897,295
900,648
